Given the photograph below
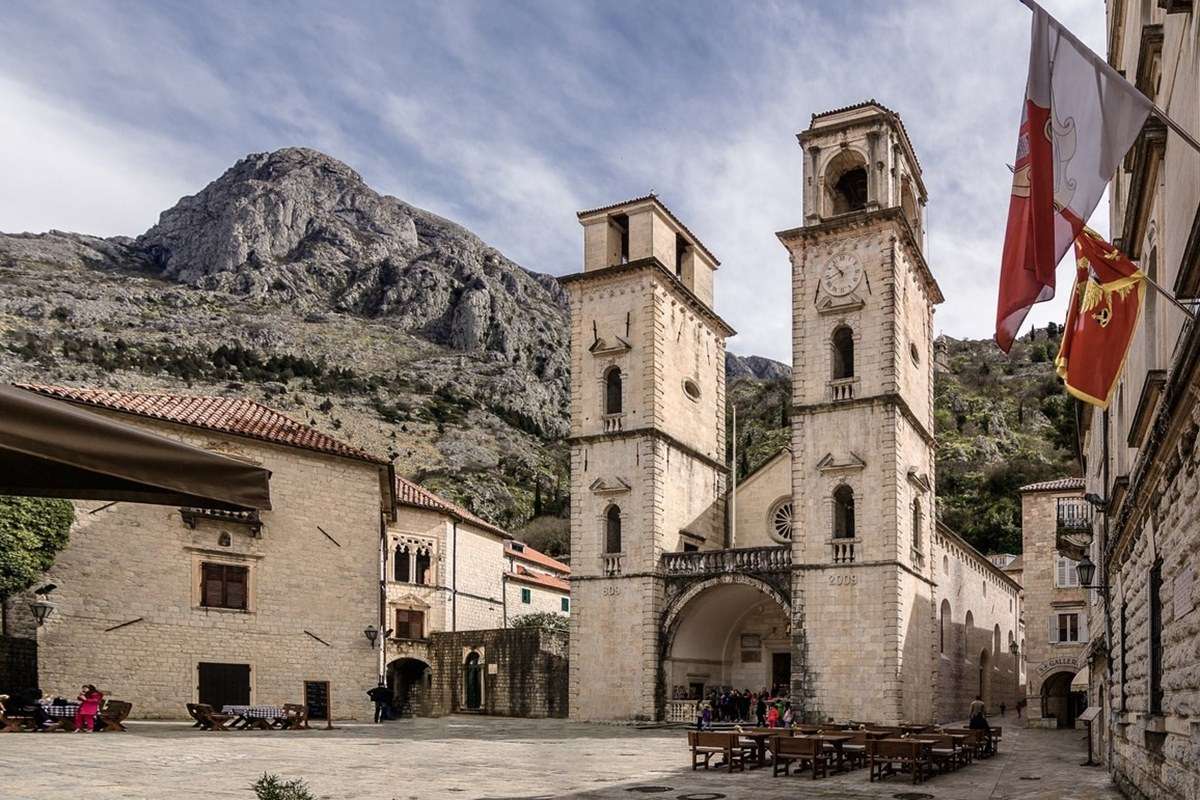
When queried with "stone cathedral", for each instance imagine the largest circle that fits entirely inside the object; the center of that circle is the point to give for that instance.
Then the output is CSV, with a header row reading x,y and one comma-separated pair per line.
x,y
831,581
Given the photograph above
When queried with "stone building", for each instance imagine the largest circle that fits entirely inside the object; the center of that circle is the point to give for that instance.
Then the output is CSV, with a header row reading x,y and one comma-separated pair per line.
x,y
444,572
832,580
165,606
1056,608
1141,455
534,583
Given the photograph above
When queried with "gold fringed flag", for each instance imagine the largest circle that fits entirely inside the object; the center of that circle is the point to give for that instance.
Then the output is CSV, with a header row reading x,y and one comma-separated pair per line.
x,y
1101,319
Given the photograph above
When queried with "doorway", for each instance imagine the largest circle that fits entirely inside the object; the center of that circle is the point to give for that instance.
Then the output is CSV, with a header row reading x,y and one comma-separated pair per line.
x,y
781,673
473,682
221,685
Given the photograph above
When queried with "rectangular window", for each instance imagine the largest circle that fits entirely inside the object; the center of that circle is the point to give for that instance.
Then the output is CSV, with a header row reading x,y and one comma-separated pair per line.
x,y
223,586
410,624
1156,650
526,596
566,604
1068,628
1067,576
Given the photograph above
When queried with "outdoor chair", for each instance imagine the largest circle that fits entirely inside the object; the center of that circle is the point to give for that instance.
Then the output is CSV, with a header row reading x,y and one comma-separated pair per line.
x,y
889,756
996,733
810,753
944,753
112,715
976,742
706,744
207,719
855,750
295,717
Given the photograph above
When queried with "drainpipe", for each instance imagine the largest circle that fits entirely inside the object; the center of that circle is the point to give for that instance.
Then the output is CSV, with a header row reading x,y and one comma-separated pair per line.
x,y
1104,581
383,548
504,596
733,493
454,581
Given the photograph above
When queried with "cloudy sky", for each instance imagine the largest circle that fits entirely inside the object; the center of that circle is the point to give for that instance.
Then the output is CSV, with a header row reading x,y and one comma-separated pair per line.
x,y
508,116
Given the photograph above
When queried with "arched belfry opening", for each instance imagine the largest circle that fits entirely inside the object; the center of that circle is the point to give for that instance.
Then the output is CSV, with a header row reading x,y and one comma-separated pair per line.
x,y
843,353
846,183
612,391
612,530
910,208
843,512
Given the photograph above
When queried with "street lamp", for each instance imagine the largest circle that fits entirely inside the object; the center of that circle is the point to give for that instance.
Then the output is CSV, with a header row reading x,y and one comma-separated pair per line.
x,y
42,609
1014,648
371,633
1086,571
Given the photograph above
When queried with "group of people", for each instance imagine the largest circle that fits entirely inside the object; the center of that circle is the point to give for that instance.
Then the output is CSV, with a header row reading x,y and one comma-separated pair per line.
x,y
29,702
765,708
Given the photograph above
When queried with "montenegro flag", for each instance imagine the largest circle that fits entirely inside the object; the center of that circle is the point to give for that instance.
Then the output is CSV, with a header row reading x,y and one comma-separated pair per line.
x,y
1101,318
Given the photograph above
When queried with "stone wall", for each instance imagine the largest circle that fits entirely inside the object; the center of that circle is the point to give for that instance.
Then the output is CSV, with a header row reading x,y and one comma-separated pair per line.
x,y
757,496
541,599
525,672
129,616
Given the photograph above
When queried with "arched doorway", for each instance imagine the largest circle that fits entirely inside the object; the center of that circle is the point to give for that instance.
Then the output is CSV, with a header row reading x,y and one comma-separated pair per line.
x,y
1060,701
985,677
409,679
472,682
727,634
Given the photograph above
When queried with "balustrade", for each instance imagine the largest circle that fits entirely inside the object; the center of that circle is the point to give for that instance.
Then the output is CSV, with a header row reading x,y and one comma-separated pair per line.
x,y
745,559
843,550
612,563
842,389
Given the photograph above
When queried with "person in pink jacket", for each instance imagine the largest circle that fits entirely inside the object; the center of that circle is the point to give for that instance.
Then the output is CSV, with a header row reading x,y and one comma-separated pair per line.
x,y
89,706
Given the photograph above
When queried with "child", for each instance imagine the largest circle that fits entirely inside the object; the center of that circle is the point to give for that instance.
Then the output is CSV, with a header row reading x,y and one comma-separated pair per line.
x,y
773,716
89,706
706,717
789,716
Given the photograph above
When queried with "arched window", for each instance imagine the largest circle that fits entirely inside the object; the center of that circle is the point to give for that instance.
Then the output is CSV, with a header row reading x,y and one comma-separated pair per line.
x,y
843,353
612,391
908,205
967,631
473,682
846,182
843,512
996,640
943,623
402,564
423,572
1150,313
612,530
917,522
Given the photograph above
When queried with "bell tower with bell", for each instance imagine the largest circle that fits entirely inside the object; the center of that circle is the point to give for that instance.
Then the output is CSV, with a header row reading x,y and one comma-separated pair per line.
x,y
862,424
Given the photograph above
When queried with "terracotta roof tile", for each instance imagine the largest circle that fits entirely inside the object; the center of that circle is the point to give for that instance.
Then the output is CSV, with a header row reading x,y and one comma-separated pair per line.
x,y
548,581
233,415
536,557
1057,485
413,494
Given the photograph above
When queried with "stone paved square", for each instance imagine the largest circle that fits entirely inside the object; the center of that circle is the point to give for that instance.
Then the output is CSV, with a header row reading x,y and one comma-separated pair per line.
x,y
473,758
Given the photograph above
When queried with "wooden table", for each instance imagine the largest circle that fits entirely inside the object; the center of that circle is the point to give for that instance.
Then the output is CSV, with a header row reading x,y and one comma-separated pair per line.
x,y
836,740
760,743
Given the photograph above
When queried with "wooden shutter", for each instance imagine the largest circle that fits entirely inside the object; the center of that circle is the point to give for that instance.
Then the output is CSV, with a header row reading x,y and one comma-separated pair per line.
x,y
1083,625
211,579
1053,628
235,587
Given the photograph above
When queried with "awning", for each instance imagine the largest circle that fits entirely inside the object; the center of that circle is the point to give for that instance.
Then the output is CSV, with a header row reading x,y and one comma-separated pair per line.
x,y
49,448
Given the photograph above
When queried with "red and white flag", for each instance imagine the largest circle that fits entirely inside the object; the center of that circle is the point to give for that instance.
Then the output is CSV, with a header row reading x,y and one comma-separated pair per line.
x,y
1079,119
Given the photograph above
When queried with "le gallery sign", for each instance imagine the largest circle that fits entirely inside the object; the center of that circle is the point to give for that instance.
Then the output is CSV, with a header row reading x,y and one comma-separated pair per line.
x,y
1055,663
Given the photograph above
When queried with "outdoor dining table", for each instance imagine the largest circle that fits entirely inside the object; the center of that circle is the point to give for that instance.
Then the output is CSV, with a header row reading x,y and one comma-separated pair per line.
x,y
835,740
63,713
878,734
257,716
760,742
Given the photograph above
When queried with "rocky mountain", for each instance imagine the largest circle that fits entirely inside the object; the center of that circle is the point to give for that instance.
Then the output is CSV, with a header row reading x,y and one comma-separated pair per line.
x,y
289,280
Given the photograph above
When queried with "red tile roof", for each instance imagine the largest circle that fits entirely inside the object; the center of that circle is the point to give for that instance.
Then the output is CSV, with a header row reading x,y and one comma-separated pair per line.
x,y
548,581
1058,485
536,557
233,415
413,494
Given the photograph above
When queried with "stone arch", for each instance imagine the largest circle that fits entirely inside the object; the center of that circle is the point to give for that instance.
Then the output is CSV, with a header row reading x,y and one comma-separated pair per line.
x,y
612,540
614,396
944,620
843,512
845,179
409,679
1057,699
672,614
842,352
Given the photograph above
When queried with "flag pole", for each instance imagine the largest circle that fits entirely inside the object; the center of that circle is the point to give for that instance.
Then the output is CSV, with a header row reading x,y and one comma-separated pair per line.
x,y
1190,314
1108,69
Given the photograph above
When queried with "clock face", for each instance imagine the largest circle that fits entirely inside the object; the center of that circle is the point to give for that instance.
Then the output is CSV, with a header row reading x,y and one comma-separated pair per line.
x,y
842,274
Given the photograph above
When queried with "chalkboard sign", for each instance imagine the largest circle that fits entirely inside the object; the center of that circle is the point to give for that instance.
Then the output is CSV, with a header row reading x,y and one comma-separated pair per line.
x,y
316,698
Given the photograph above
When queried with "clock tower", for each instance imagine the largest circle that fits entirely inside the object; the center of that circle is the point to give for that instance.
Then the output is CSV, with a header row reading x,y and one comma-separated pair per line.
x,y
862,424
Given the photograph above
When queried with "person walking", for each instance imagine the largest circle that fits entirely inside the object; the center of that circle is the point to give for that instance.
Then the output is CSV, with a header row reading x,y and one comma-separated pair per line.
x,y
978,720
89,705
380,697
760,711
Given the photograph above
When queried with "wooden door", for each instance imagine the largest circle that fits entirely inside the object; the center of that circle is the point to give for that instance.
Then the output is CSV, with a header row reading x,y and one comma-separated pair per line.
x,y
223,684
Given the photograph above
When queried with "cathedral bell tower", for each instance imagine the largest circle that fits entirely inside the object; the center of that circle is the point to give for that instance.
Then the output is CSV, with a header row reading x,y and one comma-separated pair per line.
x,y
647,443
862,424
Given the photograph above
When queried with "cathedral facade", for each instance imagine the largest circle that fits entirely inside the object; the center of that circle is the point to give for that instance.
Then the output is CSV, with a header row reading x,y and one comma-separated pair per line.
x,y
831,581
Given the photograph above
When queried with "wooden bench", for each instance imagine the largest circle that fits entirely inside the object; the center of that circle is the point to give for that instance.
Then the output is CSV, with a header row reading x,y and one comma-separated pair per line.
x,y
207,719
706,744
810,753
945,753
976,743
855,750
295,717
112,715
889,756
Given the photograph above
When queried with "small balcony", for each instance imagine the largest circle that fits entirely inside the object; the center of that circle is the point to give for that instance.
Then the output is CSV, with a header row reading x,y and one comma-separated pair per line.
x,y
842,389
1074,515
611,563
844,550
614,423
716,562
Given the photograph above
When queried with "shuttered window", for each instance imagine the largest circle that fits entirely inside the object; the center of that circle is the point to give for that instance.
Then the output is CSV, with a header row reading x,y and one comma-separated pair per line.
x,y
1067,577
223,586
1068,627
410,624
